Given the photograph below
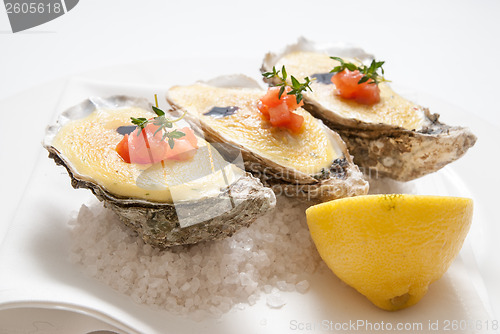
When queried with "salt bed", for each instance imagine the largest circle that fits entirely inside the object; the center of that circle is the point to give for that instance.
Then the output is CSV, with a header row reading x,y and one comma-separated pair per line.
x,y
273,255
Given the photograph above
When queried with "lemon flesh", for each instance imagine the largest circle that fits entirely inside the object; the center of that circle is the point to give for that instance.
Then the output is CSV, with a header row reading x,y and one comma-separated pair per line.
x,y
390,247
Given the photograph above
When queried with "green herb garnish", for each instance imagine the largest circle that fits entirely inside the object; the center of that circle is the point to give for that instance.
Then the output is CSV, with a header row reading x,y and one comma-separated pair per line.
x,y
141,122
162,122
369,72
296,87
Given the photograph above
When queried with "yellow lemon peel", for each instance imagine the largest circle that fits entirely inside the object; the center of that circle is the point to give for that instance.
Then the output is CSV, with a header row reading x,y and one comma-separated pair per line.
x,y
390,247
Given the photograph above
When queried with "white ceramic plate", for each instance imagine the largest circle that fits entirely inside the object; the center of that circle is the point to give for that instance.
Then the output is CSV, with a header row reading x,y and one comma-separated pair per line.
x,y
39,274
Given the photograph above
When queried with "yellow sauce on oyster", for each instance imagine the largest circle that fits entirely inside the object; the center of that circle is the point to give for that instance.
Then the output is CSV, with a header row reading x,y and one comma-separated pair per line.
x,y
308,152
392,108
88,144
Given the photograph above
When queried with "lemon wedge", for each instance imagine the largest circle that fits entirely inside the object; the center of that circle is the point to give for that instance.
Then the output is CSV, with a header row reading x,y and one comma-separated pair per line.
x,y
390,247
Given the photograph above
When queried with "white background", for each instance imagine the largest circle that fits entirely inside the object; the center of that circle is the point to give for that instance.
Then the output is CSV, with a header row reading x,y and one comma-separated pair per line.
x,y
449,49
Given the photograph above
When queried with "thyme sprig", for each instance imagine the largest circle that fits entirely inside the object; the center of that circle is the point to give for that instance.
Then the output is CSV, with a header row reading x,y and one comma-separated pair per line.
x,y
369,72
163,124
296,87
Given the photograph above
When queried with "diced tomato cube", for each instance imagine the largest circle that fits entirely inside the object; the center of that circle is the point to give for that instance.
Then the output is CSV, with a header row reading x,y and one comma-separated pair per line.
x,y
291,101
279,111
347,86
122,149
370,94
295,123
184,147
147,147
279,115
183,150
271,99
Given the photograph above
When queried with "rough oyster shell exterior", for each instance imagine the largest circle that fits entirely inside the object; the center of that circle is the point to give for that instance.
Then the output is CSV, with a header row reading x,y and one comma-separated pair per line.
x,y
378,148
157,223
398,153
341,179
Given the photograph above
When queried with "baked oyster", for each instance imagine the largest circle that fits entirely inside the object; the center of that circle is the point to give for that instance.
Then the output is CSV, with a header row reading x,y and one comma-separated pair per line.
x,y
394,137
312,164
171,202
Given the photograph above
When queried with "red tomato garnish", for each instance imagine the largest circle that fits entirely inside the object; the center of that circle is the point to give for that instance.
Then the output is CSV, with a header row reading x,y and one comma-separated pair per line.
x,y
279,110
348,87
291,101
279,115
271,99
295,124
122,149
184,147
147,147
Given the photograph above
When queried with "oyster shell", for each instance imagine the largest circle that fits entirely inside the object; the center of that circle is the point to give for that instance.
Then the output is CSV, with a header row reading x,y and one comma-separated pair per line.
x,y
167,204
314,164
394,138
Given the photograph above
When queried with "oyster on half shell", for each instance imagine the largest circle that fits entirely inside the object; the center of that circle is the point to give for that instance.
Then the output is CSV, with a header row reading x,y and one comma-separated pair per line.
x,y
168,203
394,138
313,164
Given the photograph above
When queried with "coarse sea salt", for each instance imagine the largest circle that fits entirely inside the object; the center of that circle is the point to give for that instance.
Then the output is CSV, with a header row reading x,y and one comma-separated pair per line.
x,y
274,254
